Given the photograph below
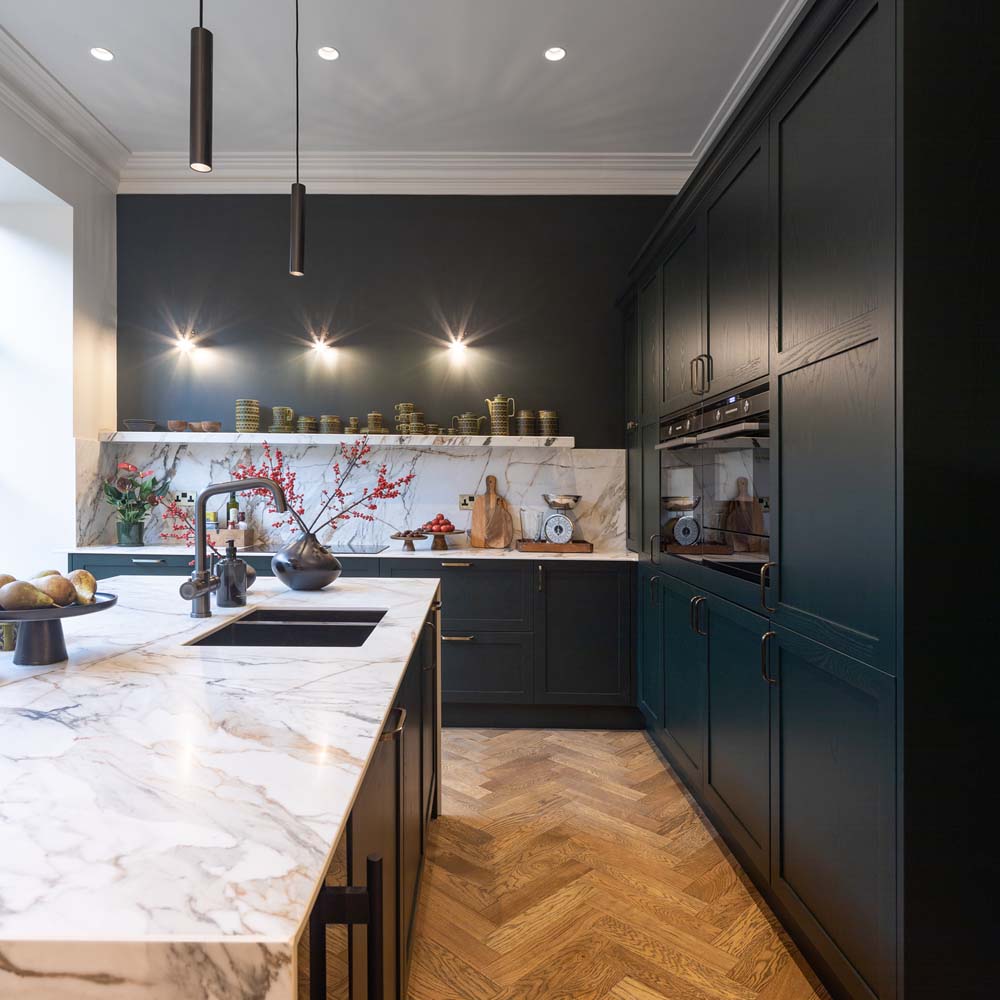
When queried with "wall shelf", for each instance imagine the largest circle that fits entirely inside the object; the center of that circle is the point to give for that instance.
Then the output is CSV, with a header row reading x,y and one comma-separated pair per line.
x,y
376,440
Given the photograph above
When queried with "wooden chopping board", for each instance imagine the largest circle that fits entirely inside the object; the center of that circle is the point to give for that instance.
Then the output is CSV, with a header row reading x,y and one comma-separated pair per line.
x,y
744,517
492,525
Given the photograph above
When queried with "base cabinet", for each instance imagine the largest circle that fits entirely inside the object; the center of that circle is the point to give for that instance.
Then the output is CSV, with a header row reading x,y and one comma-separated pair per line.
x,y
649,646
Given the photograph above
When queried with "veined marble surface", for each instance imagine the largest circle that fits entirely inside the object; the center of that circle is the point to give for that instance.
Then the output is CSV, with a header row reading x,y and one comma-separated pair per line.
x,y
167,812
458,550
523,475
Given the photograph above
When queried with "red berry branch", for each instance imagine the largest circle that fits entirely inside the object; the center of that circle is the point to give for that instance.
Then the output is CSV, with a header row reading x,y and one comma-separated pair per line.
x,y
273,467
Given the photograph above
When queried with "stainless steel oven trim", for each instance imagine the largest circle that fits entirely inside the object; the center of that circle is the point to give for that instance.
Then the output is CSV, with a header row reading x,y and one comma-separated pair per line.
x,y
746,428
688,441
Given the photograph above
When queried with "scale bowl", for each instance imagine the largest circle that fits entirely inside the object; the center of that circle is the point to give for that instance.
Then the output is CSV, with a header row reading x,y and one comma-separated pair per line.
x,y
561,501
40,638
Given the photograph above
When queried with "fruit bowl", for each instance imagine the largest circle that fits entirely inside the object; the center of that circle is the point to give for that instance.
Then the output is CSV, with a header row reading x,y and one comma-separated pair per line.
x,y
408,538
438,527
40,638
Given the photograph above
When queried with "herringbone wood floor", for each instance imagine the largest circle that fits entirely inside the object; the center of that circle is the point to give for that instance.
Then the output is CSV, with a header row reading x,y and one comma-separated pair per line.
x,y
574,865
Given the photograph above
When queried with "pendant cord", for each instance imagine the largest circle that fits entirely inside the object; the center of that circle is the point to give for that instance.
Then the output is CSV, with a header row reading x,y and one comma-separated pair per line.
x,y
296,91
201,13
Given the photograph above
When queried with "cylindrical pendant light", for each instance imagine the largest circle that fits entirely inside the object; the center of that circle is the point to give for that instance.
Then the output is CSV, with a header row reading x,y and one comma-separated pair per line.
x,y
297,228
200,157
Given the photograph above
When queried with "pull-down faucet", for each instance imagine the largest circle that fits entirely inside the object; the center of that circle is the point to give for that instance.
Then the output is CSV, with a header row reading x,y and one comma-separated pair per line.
x,y
198,590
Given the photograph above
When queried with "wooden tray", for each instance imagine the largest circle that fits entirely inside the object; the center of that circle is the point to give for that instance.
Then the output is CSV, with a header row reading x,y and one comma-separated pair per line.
x,y
526,546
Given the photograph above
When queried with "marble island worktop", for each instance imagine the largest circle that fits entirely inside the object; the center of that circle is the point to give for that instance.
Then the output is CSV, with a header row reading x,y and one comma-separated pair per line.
x,y
167,811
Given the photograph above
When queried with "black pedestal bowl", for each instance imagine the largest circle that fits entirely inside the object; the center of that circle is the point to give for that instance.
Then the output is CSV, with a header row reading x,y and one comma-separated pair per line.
x,y
40,638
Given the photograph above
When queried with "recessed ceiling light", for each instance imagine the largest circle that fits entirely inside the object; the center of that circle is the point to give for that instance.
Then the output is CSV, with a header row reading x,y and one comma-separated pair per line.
x,y
105,55
328,52
555,53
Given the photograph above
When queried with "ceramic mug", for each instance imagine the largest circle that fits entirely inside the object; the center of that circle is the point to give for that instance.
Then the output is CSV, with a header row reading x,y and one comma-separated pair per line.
x,y
418,428
467,423
402,409
375,420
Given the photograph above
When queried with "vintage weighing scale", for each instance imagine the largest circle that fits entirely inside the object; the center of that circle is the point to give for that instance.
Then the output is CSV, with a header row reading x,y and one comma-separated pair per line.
x,y
556,531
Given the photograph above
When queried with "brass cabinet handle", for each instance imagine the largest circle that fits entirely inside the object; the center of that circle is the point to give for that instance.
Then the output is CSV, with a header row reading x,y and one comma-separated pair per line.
x,y
655,534
388,737
435,606
456,565
763,657
632,425
541,578
696,603
457,638
148,562
764,576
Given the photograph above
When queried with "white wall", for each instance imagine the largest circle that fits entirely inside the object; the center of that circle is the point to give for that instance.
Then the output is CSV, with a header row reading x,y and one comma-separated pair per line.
x,y
37,468
94,318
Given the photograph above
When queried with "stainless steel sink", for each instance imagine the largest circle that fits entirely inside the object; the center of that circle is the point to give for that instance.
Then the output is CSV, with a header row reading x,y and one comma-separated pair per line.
x,y
295,627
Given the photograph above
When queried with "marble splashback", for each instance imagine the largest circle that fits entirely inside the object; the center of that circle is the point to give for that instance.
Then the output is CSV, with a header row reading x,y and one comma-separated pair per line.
x,y
523,475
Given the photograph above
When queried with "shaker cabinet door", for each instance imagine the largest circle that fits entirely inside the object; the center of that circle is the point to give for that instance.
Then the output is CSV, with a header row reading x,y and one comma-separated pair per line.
x,y
685,369
649,645
633,436
736,302
650,349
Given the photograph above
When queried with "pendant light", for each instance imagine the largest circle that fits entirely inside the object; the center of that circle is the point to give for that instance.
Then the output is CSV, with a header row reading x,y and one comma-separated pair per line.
x,y
200,158
297,229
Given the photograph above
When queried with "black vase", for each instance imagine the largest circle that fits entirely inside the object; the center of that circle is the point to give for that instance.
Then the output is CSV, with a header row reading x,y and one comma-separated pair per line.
x,y
306,564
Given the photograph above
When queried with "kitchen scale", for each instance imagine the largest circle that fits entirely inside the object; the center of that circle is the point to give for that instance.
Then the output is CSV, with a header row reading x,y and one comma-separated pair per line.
x,y
556,531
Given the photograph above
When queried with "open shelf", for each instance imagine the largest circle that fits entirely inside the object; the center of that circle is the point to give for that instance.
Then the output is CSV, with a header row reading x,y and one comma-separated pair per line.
x,y
375,440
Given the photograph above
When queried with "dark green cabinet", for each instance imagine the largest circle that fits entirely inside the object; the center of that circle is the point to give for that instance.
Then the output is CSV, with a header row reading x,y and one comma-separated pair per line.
x,y
103,565
633,423
685,369
649,645
738,734
481,667
685,663
833,796
650,350
411,806
582,633
736,229
650,504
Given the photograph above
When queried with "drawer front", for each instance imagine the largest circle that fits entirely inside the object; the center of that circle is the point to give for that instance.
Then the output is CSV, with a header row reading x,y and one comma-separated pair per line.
x,y
486,667
103,566
476,595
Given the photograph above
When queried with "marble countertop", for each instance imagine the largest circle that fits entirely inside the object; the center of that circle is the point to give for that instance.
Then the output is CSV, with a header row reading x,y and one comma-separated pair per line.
x,y
394,551
167,811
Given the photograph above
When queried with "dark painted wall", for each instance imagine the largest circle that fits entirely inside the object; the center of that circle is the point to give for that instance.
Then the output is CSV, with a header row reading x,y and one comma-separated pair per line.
x,y
532,280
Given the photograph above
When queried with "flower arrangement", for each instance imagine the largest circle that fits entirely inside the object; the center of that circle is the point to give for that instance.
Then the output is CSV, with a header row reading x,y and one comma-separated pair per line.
x,y
133,494
339,503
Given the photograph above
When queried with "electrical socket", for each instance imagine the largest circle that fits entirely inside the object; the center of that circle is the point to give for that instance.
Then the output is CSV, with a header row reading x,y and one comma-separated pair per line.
x,y
466,501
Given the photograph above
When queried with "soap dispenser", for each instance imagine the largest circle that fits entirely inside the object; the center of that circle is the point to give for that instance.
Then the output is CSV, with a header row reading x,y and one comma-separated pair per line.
x,y
232,573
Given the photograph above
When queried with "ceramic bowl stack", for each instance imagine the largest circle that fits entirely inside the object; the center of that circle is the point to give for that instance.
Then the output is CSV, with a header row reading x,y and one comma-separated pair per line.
x,y
248,416
281,420
330,424
308,425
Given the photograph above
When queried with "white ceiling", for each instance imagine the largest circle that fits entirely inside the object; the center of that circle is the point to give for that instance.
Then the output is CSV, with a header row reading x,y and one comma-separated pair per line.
x,y
642,77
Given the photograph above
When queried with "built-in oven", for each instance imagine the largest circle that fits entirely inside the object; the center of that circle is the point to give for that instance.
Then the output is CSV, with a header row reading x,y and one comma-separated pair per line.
x,y
715,483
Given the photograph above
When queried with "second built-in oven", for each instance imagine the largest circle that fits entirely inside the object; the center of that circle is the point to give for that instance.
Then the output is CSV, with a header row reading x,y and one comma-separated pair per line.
x,y
715,484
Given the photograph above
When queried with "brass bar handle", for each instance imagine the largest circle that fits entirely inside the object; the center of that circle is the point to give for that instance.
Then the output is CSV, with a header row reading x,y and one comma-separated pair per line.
x,y
655,534
541,578
632,425
458,638
148,562
456,565
763,657
764,577
696,603
390,735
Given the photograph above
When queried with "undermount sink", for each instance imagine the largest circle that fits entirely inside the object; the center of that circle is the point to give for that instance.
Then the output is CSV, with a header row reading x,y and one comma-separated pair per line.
x,y
297,627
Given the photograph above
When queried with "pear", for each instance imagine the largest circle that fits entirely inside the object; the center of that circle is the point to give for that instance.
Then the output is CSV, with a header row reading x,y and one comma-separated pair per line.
x,y
85,584
58,588
6,578
46,572
21,596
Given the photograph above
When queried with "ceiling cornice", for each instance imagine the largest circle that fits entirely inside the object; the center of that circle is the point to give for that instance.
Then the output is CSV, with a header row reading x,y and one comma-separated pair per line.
x,y
767,46
412,173
34,94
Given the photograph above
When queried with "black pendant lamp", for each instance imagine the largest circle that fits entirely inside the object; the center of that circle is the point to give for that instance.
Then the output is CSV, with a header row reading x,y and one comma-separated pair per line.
x,y
200,157
297,229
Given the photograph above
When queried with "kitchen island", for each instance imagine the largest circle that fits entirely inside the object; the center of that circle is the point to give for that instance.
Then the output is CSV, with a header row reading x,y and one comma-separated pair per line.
x,y
167,810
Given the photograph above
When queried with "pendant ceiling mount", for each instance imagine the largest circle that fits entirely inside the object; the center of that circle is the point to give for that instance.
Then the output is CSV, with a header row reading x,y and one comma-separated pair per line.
x,y
297,225
200,151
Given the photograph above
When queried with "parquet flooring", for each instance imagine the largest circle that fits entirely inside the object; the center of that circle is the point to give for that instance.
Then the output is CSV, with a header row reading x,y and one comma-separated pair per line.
x,y
574,866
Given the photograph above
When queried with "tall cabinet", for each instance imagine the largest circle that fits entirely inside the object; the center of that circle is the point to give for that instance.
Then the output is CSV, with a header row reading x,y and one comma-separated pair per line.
x,y
790,711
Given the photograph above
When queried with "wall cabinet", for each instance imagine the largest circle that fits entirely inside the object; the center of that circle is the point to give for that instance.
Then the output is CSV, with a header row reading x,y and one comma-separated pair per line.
x,y
650,349
736,231
685,371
